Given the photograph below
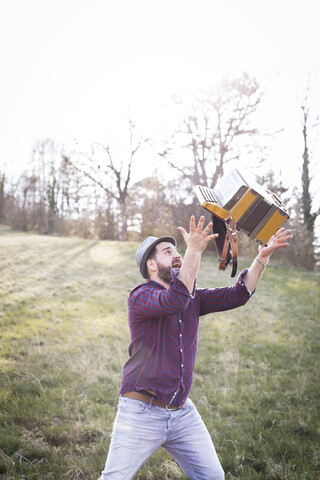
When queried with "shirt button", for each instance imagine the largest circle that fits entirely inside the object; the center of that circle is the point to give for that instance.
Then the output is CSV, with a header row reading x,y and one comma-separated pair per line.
x,y
180,320
181,350
180,334
181,364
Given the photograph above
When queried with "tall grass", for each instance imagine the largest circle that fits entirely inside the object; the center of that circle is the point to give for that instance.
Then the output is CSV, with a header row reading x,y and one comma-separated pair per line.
x,y
64,339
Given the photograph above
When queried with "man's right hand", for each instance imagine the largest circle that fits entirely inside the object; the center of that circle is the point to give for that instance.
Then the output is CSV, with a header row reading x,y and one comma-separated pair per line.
x,y
197,241
198,238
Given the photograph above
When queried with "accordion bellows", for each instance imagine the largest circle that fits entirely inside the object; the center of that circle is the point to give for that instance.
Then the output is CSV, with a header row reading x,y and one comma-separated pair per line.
x,y
258,212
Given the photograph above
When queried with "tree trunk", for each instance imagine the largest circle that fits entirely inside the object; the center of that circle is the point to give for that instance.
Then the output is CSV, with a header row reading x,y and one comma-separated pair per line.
x,y
308,217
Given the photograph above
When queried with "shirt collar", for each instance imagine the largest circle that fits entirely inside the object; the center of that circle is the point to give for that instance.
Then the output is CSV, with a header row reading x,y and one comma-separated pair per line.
x,y
155,284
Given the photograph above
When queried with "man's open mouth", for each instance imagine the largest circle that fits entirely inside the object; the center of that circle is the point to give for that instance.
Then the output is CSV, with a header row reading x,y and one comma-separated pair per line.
x,y
176,264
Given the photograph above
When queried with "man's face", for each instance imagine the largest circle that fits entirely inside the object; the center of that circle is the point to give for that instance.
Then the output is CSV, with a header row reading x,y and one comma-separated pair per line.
x,y
167,258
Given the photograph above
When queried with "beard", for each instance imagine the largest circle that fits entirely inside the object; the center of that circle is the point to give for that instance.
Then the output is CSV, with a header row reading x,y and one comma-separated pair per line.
x,y
164,272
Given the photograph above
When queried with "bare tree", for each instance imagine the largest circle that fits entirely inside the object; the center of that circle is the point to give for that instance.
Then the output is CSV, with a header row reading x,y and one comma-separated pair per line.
x,y
150,211
45,186
217,122
112,173
2,197
41,198
309,216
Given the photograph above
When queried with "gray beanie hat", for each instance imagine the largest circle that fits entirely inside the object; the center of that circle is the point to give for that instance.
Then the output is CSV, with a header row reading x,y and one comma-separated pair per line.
x,y
144,250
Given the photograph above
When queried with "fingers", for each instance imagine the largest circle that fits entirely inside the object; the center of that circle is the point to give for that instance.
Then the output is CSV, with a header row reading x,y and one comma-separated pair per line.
x,y
282,235
287,237
192,224
282,232
182,231
213,236
208,228
200,223
198,228
278,240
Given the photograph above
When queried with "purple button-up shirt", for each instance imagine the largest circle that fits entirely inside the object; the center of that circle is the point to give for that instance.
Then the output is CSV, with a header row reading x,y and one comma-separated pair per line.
x,y
164,334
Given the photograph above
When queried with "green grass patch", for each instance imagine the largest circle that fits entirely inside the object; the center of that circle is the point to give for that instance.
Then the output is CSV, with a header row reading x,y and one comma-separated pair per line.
x,y
64,339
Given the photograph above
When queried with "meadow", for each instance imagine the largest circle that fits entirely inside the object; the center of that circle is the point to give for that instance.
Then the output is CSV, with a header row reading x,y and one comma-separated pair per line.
x,y
64,339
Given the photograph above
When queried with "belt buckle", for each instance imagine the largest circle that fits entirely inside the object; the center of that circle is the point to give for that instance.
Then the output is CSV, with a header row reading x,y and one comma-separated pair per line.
x,y
171,409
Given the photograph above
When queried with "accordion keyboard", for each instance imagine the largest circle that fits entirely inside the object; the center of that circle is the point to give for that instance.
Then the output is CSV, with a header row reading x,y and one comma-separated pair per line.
x,y
207,194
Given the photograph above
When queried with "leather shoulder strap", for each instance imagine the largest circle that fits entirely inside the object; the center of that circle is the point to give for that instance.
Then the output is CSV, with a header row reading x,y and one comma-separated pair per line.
x,y
223,243
219,226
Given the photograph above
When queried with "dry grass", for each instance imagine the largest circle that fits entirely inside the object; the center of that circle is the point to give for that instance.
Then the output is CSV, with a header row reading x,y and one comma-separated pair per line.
x,y
63,342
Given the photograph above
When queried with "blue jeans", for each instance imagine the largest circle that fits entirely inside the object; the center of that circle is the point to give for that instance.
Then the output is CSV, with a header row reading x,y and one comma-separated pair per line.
x,y
140,428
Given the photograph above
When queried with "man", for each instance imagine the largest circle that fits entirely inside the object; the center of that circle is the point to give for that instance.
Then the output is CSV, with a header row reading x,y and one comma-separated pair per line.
x,y
154,409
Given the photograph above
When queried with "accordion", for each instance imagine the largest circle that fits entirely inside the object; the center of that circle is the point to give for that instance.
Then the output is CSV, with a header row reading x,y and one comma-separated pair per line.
x,y
257,212
236,205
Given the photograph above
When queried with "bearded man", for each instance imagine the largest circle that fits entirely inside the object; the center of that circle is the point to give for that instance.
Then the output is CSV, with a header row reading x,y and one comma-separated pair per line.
x,y
154,408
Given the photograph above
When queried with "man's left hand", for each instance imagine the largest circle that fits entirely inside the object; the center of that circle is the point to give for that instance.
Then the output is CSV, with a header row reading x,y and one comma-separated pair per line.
x,y
278,240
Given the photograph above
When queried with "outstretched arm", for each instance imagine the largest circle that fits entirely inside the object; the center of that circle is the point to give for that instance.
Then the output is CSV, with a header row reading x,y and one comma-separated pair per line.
x,y
197,241
278,240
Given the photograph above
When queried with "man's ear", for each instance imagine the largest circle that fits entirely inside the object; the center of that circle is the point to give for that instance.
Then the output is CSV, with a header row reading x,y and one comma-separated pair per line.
x,y
151,264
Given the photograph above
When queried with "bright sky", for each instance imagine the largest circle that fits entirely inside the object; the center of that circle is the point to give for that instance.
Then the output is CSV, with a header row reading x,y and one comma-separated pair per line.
x,y
70,67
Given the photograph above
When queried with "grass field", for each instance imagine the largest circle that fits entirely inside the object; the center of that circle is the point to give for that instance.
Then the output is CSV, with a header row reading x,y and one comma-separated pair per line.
x,y
64,339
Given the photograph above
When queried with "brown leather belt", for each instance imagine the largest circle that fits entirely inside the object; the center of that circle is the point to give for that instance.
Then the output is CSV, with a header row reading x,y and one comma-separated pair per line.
x,y
145,398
